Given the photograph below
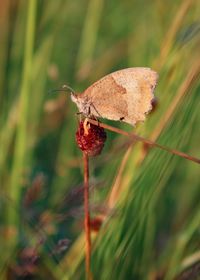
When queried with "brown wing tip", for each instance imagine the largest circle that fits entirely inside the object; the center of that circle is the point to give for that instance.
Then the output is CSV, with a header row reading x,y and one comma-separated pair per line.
x,y
153,79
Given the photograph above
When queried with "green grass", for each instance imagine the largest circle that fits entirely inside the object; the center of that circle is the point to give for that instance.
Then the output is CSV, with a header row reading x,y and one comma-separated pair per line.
x,y
151,226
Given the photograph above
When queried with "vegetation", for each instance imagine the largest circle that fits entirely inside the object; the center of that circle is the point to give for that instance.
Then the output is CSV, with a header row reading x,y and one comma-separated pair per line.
x,y
147,199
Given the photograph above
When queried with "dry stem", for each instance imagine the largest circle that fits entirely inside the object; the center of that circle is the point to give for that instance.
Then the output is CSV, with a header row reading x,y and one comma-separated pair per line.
x,y
135,137
87,216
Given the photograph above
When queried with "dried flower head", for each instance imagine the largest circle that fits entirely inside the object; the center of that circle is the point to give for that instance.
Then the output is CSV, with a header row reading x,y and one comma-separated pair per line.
x,y
90,138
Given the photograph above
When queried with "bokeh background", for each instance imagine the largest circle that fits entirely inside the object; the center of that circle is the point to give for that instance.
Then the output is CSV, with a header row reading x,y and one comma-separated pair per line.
x,y
146,200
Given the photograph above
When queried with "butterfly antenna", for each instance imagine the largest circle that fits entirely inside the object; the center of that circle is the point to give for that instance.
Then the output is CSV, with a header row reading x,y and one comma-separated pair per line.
x,y
64,88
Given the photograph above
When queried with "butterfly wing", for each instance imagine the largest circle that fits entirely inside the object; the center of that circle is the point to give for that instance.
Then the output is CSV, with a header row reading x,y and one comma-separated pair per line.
x,y
122,95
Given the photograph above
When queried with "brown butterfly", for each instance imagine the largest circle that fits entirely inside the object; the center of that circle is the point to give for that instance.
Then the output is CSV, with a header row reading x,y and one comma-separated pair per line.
x,y
124,95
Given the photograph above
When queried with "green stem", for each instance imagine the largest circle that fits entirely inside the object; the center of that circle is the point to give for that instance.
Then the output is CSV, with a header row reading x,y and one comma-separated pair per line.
x,y
20,151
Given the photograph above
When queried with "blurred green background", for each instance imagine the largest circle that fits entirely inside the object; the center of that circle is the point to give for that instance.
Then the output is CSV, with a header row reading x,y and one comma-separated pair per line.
x,y
148,200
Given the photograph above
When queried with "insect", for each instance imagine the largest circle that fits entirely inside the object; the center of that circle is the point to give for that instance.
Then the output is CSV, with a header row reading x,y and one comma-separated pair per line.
x,y
124,95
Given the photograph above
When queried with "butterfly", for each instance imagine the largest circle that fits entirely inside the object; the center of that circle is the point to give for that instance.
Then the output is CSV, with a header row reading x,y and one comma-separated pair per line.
x,y
124,95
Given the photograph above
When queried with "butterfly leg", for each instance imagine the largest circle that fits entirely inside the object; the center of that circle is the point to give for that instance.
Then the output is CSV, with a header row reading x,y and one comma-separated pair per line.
x,y
79,116
94,117
96,110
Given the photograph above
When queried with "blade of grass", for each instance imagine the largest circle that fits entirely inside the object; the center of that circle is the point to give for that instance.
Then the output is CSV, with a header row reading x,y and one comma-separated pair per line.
x,y
180,245
170,36
89,33
5,26
22,129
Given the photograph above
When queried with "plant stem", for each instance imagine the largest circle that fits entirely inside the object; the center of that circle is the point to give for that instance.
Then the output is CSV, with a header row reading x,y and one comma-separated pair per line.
x,y
148,142
20,157
87,216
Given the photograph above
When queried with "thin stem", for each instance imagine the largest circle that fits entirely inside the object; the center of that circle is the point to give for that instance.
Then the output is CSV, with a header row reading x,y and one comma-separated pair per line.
x,y
87,217
20,156
148,142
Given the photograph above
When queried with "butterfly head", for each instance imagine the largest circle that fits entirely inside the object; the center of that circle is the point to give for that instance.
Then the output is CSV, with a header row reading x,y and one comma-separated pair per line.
x,y
82,103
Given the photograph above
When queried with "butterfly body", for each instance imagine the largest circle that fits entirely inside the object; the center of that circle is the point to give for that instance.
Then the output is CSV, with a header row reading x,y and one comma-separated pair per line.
x,y
124,95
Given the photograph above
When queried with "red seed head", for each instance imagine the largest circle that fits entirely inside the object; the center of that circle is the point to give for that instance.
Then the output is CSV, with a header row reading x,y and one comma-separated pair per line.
x,y
90,138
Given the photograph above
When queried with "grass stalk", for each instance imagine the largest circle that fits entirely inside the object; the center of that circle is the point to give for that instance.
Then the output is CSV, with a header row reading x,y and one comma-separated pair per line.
x,y
134,137
89,33
171,34
22,126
